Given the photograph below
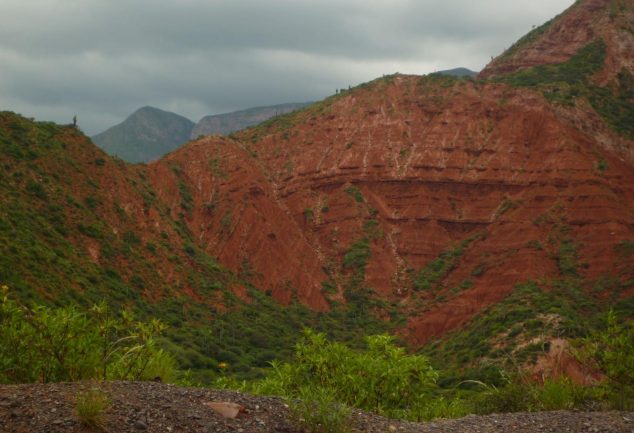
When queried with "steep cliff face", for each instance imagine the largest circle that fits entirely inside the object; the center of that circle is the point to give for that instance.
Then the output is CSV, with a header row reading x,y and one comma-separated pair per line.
x,y
437,193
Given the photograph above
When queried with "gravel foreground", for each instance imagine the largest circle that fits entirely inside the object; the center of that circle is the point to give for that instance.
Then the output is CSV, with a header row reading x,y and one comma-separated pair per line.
x,y
156,407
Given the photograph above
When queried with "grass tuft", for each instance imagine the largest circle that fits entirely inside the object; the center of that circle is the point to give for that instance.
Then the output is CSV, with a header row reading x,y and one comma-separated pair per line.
x,y
91,407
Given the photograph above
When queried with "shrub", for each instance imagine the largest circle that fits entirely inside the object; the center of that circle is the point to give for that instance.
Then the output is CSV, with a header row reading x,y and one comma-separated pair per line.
x,y
601,165
381,378
625,249
309,214
358,255
36,189
436,269
587,61
611,350
67,344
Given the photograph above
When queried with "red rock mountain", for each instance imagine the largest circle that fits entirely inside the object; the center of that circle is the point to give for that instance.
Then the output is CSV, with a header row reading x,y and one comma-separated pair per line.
x,y
436,195
510,185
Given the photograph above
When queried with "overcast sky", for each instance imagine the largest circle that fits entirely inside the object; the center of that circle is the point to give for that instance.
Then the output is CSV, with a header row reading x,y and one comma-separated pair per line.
x,y
103,59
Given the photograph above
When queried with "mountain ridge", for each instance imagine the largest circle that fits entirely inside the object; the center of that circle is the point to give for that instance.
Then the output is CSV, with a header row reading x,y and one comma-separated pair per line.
x,y
419,202
227,123
146,134
150,133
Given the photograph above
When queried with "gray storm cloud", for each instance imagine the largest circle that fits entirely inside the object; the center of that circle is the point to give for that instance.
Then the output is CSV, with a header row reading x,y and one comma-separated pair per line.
x,y
102,59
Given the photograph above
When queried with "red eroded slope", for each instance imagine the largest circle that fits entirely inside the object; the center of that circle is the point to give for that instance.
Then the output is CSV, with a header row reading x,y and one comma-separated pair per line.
x,y
235,216
417,167
438,164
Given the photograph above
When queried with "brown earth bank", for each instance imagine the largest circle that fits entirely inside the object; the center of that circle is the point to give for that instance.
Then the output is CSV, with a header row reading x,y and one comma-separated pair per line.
x,y
156,407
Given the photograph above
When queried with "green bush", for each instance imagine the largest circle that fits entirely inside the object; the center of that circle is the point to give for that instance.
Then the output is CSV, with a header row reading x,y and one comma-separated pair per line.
x,y
434,271
611,351
567,258
358,255
67,344
625,249
587,61
381,378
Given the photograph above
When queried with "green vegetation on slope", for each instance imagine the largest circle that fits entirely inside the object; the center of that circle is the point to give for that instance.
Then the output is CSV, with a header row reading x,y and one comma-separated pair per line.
x,y
55,206
67,343
250,335
517,330
325,378
567,82
586,62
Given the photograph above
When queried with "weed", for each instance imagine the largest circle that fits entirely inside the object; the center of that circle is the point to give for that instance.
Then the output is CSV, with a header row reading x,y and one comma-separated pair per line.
x,y
91,407
560,394
611,350
319,412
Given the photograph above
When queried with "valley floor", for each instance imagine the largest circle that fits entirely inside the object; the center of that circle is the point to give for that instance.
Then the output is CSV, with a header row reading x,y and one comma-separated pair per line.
x,y
157,407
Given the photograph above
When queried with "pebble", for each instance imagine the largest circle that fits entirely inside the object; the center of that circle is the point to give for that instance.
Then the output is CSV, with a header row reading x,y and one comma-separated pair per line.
x,y
140,425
